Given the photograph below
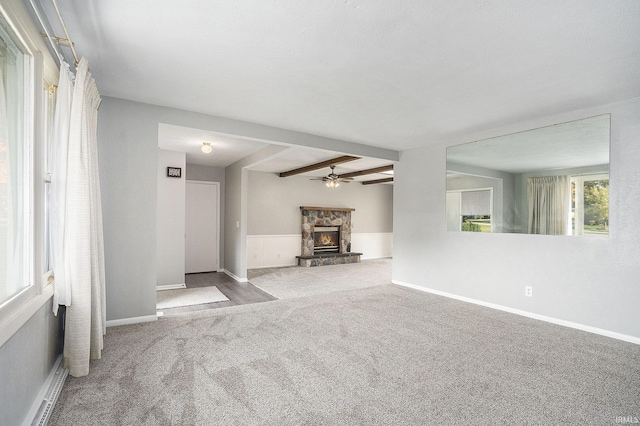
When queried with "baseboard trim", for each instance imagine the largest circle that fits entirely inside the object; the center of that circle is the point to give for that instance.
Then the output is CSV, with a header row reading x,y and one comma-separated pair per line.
x,y
235,277
570,324
170,287
273,266
48,395
132,320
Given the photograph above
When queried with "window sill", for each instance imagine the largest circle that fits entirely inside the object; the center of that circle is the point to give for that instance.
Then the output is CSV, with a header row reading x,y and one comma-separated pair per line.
x,y
11,325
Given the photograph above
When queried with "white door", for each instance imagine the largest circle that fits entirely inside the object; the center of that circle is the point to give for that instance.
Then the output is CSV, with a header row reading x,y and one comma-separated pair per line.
x,y
201,226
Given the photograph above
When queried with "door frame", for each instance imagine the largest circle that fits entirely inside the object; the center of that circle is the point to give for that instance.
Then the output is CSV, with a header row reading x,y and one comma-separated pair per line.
x,y
217,184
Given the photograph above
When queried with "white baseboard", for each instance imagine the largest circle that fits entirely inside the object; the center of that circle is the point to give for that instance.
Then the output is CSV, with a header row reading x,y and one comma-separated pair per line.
x,y
280,265
132,320
170,287
235,277
43,405
570,324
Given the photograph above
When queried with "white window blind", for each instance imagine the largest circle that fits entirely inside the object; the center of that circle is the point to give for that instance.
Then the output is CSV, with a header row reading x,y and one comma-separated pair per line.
x,y
475,203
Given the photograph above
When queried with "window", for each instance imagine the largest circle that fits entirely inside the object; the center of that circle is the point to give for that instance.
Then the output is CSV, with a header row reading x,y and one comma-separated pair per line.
x,y
470,210
26,108
15,167
475,210
590,205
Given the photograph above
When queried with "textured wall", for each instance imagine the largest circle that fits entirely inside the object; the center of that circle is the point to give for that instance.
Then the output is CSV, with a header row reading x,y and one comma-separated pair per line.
x,y
592,282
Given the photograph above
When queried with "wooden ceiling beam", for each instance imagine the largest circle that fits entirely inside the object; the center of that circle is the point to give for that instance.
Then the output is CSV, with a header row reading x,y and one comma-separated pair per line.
x,y
318,166
371,182
368,171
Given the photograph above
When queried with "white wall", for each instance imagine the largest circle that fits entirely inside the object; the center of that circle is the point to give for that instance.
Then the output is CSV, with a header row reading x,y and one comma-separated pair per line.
x,y
170,228
589,282
274,218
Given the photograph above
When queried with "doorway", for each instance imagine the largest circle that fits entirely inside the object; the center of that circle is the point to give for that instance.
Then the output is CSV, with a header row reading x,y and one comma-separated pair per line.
x,y
202,226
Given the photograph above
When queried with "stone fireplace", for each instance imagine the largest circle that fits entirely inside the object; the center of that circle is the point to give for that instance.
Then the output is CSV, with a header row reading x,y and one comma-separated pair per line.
x,y
326,236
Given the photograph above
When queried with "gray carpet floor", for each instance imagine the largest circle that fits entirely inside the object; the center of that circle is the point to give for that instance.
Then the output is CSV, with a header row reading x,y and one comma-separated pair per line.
x,y
382,355
287,283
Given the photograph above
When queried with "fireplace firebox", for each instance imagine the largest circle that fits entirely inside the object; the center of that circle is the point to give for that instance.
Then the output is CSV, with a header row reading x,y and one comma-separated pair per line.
x,y
326,239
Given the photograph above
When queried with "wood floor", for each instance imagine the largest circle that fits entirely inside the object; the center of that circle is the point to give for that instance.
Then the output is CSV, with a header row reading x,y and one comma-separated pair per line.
x,y
237,293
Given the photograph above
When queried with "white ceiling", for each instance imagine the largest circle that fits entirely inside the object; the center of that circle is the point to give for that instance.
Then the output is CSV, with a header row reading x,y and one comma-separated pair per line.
x,y
226,149
392,74
579,143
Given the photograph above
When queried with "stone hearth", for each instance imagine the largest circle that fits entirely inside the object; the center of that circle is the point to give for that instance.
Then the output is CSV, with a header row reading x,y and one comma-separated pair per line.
x,y
326,217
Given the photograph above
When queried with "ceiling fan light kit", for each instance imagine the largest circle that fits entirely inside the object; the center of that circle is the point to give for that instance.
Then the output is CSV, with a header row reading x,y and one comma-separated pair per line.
x,y
332,180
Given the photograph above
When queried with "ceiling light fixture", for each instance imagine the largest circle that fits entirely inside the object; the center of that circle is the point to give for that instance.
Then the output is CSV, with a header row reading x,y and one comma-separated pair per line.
x,y
332,184
206,147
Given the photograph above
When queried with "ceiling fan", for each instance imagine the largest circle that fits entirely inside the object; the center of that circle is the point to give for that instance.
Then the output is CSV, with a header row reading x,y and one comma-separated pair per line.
x,y
332,180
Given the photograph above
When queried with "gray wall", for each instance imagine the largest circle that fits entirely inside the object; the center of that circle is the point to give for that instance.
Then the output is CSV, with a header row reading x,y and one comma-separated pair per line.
x,y
206,173
235,249
26,360
170,229
280,199
593,282
127,149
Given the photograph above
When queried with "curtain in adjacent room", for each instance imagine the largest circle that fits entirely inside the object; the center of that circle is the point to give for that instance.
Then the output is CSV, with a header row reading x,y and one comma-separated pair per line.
x,y
58,189
85,323
549,203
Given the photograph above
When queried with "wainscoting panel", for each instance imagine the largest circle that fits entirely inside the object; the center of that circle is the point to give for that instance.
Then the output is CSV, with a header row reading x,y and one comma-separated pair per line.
x,y
274,251
372,245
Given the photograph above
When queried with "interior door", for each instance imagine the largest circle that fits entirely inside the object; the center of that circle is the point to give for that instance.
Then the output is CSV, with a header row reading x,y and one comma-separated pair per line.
x,y
201,226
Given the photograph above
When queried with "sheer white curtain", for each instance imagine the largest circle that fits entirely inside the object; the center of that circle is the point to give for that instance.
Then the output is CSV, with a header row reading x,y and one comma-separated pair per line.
x,y
83,289
58,188
12,196
549,203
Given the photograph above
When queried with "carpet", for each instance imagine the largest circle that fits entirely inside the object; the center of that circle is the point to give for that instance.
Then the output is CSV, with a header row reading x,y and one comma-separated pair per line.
x,y
188,296
378,355
292,282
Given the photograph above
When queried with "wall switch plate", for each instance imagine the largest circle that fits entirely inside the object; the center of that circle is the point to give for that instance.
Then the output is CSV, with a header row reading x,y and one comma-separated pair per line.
x,y
528,291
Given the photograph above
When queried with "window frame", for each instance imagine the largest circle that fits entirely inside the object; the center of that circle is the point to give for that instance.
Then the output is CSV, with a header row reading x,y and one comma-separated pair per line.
x,y
577,226
459,200
41,73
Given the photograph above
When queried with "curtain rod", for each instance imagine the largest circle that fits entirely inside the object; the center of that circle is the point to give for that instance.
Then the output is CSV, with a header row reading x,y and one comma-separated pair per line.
x,y
66,33
47,35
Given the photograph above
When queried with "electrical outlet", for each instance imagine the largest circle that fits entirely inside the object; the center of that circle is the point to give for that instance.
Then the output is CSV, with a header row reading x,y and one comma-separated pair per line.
x,y
528,291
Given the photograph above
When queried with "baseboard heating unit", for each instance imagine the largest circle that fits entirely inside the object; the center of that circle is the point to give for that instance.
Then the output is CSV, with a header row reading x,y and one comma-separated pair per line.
x,y
56,382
